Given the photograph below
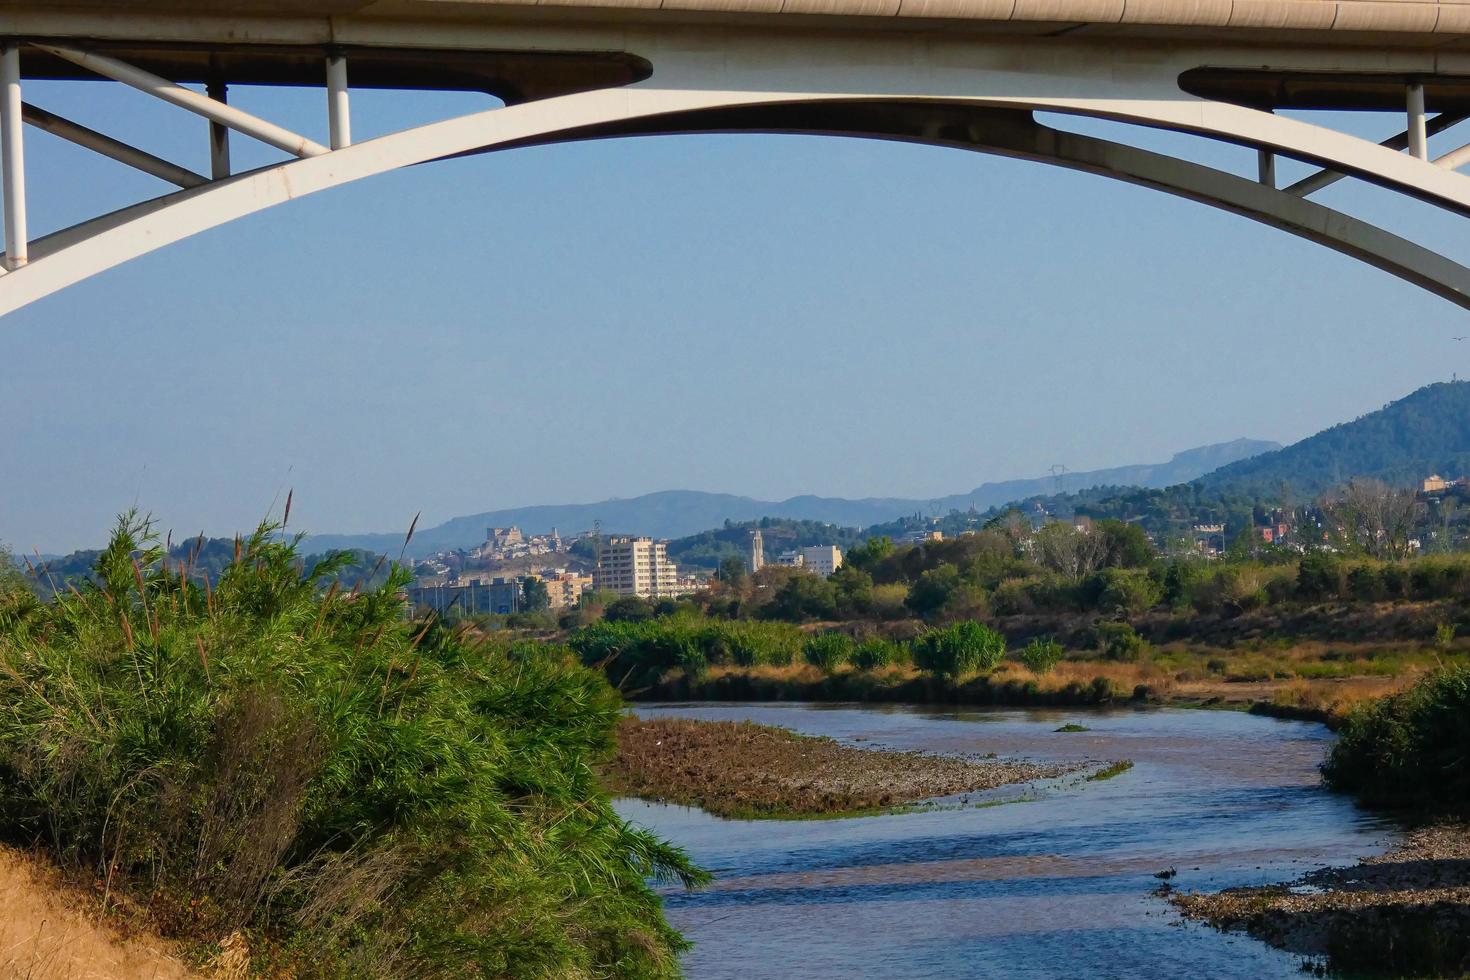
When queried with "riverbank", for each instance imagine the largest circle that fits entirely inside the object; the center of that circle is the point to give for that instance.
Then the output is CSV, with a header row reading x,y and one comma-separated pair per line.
x,y
1073,683
1404,913
744,770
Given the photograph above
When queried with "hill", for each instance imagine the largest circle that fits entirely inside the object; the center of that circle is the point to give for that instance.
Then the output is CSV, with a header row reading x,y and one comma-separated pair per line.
x,y
679,513
1403,442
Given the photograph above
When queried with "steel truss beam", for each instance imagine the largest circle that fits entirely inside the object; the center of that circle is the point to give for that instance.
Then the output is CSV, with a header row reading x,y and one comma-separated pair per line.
x,y
1313,183
107,146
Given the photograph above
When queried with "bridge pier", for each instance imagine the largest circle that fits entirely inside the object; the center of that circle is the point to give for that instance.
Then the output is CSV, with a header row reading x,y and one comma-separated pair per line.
x,y
12,157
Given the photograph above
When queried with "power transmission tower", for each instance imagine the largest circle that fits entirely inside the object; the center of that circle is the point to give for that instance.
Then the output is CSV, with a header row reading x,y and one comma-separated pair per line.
x,y
1059,478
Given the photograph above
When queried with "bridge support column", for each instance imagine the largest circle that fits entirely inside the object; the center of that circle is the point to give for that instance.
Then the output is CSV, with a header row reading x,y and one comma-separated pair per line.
x,y
1266,167
12,159
1418,137
339,115
219,134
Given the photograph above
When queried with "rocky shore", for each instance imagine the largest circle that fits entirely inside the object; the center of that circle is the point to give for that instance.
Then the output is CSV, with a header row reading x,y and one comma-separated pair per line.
x,y
745,770
1405,913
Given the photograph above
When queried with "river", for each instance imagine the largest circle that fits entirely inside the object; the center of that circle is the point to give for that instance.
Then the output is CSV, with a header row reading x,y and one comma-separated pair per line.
x,y
1058,884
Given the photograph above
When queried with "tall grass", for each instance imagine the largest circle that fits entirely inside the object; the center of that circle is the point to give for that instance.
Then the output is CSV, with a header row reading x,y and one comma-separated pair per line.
x,y
635,655
367,797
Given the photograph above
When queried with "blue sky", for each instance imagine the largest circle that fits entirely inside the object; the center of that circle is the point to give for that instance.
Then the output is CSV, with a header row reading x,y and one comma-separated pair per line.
x,y
751,314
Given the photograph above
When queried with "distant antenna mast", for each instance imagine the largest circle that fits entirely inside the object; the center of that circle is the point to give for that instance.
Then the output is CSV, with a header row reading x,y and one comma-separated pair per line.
x,y
1059,478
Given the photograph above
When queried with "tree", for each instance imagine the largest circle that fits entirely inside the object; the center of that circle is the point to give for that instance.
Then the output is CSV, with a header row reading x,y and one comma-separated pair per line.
x,y
869,553
1125,545
628,609
854,591
534,595
732,571
1375,518
1068,551
803,596
12,579
933,590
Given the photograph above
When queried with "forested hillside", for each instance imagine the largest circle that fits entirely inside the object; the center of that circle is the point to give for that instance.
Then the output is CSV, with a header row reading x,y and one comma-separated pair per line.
x,y
1401,443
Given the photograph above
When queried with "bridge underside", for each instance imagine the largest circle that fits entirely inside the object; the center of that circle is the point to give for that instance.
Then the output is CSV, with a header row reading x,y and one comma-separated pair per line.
x,y
600,71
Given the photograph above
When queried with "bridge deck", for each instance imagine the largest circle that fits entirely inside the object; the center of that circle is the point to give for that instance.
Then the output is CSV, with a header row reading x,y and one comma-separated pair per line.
x,y
1438,23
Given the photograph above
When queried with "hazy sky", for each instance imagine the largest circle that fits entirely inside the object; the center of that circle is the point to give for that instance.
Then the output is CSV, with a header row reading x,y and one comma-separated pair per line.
x,y
758,315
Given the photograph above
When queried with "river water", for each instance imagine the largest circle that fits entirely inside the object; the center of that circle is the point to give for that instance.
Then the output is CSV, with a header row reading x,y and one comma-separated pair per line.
x,y
1057,884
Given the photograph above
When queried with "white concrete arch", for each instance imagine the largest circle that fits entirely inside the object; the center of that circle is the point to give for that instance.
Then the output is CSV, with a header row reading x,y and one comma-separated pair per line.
x,y
67,257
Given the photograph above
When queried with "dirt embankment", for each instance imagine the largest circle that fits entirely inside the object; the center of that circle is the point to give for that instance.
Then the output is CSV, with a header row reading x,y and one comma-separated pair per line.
x,y
1405,913
741,769
49,931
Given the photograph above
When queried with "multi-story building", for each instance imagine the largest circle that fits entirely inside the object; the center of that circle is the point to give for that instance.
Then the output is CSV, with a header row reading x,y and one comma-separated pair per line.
x,y
470,597
757,559
637,566
566,588
822,559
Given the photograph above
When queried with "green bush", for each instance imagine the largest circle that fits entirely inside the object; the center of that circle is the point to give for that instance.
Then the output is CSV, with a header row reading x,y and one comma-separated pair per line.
x,y
1128,592
959,650
1012,597
828,650
1320,575
1180,580
1040,656
378,798
1365,583
757,644
1408,749
876,653
1120,641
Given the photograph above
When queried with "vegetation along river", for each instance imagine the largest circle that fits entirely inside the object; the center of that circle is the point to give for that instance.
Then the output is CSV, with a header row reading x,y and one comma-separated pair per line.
x,y
1060,885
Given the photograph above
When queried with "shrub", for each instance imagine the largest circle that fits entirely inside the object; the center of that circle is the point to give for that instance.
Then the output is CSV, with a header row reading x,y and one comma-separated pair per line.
x,y
629,609
1319,576
876,653
378,797
1040,656
1120,641
888,601
828,650
1395,581
753,644
1408,749
1364,582
1180,580
1012,597
635,654
959,650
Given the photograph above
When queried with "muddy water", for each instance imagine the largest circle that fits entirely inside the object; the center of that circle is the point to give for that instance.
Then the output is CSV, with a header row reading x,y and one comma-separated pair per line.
x,y
1057,884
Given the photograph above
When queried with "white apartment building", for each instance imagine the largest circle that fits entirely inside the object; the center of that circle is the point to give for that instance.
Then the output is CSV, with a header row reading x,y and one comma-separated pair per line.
x,y
822,560
637,566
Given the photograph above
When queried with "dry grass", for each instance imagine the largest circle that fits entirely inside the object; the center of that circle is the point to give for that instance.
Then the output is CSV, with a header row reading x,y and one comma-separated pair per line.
x,y
1328,679
51,932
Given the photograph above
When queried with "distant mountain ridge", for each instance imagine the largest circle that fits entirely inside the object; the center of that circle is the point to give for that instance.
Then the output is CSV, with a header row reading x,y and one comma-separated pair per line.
x,y
1427,431
677,513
